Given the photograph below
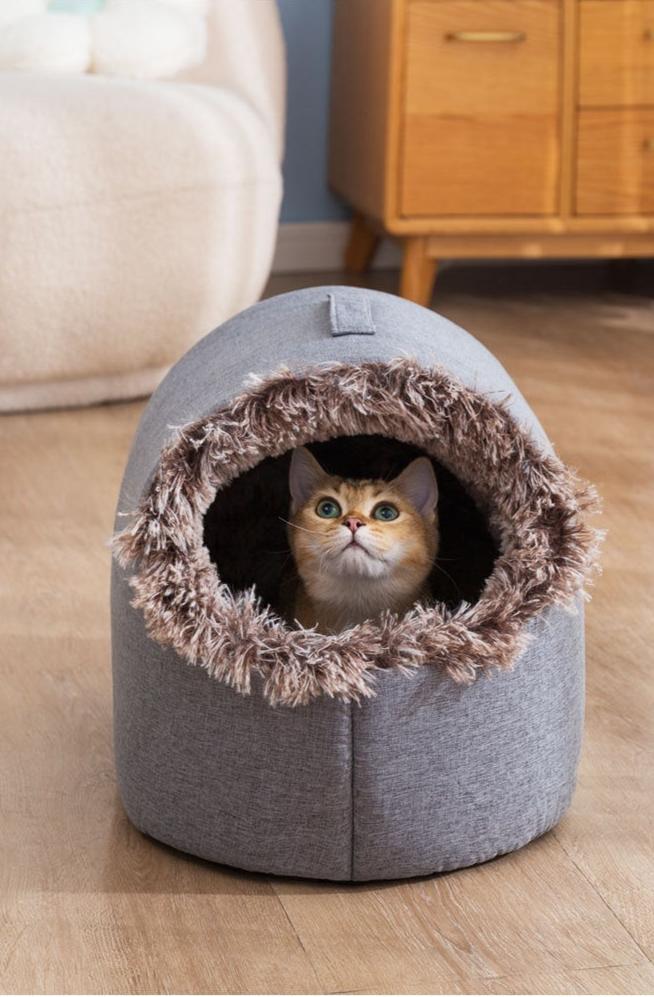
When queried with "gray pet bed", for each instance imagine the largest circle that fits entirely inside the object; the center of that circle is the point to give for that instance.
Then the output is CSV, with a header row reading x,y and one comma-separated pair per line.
x,y
394,749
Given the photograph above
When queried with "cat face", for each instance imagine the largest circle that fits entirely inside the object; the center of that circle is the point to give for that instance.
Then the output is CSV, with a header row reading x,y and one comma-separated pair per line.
x,y
343,530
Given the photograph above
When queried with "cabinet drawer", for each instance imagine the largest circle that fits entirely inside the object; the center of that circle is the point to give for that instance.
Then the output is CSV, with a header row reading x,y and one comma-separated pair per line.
x,y
616,58
480,108
615,162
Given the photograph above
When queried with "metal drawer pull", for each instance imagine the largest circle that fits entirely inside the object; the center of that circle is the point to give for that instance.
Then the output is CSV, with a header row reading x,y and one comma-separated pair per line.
x,y
485,36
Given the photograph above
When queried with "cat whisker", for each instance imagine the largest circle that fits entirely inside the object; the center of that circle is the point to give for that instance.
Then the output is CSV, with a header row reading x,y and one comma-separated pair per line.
x,y
446,573
285,562
316,533
327,552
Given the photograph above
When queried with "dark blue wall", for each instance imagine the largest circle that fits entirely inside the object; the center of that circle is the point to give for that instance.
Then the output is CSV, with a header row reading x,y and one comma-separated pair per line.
x,y
307,30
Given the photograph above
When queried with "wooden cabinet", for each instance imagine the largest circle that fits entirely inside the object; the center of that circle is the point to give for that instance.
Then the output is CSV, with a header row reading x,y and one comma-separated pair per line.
x,y
615,144
616,53
462,110
615,162
494,128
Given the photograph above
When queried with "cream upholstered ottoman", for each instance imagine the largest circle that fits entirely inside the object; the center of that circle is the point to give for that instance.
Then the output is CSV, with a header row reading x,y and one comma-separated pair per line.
x,y
423,743
135,215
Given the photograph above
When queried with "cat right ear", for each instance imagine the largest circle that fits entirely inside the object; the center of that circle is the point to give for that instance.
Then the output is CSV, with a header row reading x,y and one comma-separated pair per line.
x,y
418,484
304,476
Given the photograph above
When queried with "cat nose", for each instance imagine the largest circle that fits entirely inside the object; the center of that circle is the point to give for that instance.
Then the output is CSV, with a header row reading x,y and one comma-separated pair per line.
x,y
353,524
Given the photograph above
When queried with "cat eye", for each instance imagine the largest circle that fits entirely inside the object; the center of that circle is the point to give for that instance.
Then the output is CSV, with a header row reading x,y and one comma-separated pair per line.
x,y
385,512
328,509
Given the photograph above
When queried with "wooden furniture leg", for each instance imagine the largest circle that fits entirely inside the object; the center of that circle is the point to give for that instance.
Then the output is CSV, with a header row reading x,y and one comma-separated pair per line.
x,y
418,271
361,245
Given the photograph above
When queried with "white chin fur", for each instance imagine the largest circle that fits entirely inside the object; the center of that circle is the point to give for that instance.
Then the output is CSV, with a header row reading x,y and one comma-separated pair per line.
x,y
355,562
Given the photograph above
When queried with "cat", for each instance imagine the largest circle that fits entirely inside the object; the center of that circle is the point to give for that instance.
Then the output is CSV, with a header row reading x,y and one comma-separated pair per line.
x,y
360,547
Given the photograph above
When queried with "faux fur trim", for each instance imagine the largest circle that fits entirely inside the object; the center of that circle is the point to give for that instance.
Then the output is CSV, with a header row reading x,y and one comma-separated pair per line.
x,y
533,502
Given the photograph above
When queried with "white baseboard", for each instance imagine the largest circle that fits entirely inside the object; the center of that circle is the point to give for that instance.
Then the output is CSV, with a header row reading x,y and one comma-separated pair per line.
x,y
303,247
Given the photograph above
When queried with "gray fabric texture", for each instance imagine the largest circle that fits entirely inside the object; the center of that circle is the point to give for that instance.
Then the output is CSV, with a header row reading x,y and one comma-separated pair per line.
x,y
294,330
350,314
448,776
426,776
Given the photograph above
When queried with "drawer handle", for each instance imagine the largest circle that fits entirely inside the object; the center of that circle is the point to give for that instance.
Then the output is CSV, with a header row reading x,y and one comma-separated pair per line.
x,y
648,145
486,36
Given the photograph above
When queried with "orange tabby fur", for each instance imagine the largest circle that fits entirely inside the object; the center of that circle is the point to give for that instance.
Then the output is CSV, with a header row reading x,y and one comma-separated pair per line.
x,y
351,573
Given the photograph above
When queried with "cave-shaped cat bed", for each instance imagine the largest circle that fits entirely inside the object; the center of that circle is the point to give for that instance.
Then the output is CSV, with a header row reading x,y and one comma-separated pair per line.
x,y
424,743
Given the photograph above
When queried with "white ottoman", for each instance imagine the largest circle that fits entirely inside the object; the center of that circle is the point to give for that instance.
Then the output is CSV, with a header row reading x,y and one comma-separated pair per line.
x,y
135,215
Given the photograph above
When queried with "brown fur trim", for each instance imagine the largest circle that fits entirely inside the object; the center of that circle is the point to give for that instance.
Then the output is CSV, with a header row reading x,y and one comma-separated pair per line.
x,y
535,507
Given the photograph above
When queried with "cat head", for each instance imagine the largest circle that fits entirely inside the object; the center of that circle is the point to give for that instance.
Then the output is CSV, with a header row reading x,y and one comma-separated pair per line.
x,y
342,529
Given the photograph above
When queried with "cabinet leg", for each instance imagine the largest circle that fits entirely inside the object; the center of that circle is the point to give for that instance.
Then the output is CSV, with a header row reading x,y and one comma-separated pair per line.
x,y
418,271
361,245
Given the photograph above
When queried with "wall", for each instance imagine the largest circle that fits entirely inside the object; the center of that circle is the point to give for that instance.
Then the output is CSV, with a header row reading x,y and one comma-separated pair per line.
x,y
307,30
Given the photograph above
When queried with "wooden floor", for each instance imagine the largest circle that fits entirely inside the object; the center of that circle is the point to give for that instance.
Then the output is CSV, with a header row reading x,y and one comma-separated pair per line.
x,y
89,905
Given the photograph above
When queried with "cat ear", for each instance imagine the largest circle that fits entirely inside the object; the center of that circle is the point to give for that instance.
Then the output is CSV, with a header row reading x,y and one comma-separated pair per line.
x,y
417,483
304,476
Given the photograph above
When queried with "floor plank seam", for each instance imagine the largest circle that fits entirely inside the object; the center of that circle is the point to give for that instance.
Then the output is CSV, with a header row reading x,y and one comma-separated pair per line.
x,y
471,982
301,943
601,896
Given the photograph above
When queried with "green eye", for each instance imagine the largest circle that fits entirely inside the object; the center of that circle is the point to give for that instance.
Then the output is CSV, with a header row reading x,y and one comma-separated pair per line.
x,y
385,512
328,509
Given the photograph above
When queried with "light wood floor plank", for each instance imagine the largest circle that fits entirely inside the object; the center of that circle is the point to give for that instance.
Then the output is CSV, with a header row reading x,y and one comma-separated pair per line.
x,y
144,943
531,909
611,980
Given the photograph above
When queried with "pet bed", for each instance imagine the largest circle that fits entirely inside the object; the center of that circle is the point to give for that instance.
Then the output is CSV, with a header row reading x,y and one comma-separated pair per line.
x,y
422,743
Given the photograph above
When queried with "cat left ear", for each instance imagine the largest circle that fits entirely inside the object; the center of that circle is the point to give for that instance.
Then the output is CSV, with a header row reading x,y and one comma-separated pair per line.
x,y
304,476
418,484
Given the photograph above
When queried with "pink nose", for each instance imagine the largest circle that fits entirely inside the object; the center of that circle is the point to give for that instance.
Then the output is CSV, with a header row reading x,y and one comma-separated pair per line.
x,y
353,524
